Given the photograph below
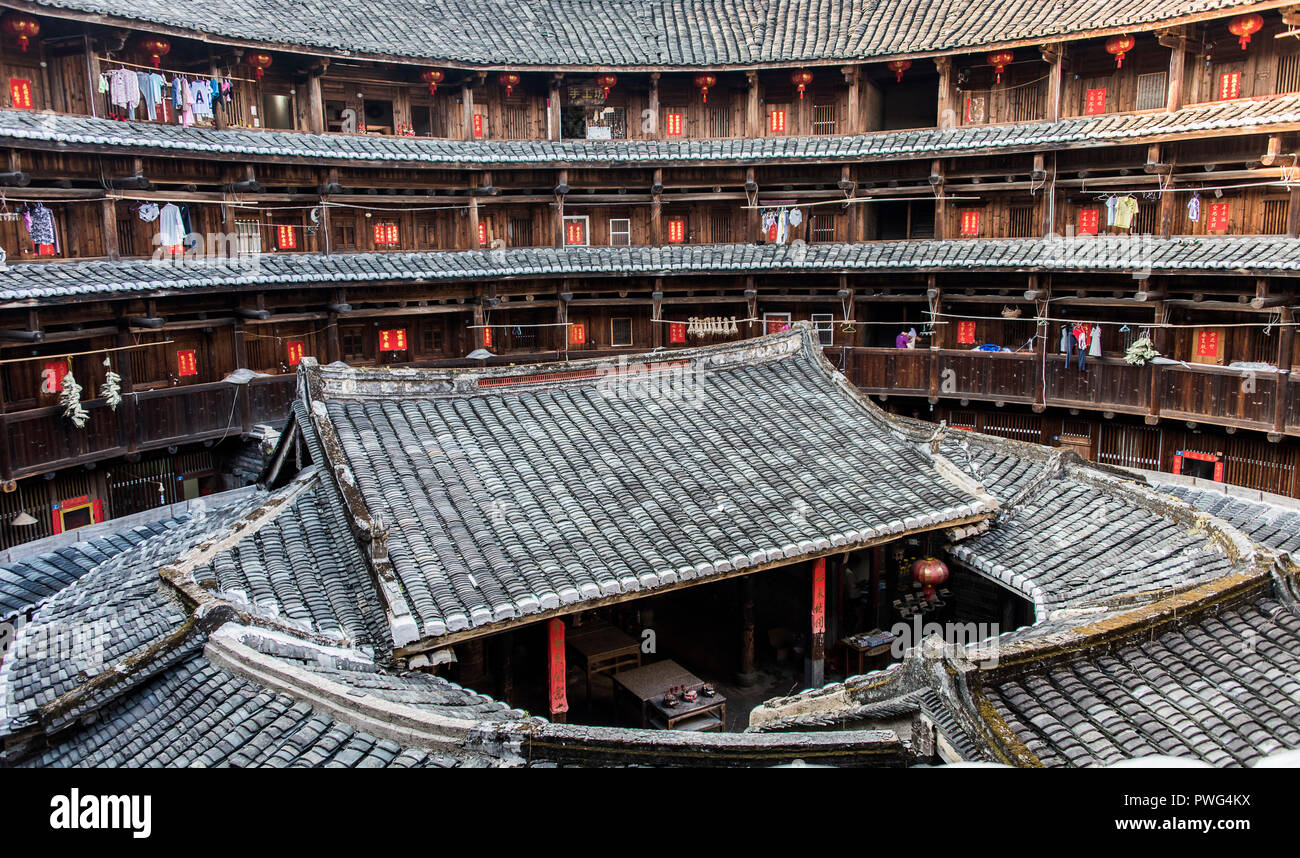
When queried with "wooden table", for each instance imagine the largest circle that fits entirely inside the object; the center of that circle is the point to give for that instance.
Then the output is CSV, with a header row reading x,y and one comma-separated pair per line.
x,y
602,648
864,651
641,693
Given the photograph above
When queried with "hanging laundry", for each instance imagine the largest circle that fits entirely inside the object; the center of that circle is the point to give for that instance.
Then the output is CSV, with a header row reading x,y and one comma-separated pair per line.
x,y
1079,335
1094,342
124,91
1112,211
1125,210
201,94
783,227
148,212
171,228
1194,208
39,221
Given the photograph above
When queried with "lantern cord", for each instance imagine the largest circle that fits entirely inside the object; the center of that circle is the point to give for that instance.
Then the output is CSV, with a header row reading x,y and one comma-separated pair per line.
x,y
1007,87
91,352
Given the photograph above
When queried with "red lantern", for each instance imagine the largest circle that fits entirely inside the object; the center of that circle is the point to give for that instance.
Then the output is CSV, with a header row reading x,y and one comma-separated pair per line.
x,y
1243,26
156,48
704,81
259,62
432,77
606,82
930,572
801,79
1119,46
898,67
1000,60
509,80
21,27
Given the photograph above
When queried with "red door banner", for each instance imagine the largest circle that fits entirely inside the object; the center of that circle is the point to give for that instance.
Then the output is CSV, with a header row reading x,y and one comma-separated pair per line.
x,y
1089,221
965,332
677,332
558,682
393,340
1217,219
819,596
1207,344
296,349
186,363
1095,102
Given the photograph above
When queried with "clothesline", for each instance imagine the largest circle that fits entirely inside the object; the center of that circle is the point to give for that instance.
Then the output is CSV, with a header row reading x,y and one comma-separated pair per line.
x,y
1049,319
91,352
207,74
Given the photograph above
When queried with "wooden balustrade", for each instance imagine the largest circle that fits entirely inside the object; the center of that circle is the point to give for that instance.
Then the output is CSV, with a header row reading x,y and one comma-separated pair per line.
x,y
1204,394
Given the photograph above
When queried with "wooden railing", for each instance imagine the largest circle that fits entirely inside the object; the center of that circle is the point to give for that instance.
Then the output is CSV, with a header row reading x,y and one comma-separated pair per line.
x,y
1265,401
41,438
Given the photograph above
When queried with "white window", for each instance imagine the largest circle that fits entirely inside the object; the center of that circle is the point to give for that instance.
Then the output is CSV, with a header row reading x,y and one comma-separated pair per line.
x,y
248,236
824,329
620,232
620,332
576,230
1151,91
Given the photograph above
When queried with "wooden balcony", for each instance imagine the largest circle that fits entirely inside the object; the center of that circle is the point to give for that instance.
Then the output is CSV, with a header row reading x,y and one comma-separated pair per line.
x,y
41,439
1263,401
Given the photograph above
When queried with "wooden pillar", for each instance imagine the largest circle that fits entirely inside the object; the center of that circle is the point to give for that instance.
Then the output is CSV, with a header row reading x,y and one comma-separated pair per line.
x,y
1176,40
562,319
480,319
1293,213
473,223
817,650
1045,166
947,106
1285,351
656,133
853,122
940,203
753,116
557,681
314,100
562,180
241,390
108,212
747,675
1160,339
935,302
751,306
656,209
554,113
1042,336
1054,56
467,108
753,221
657,314
126,421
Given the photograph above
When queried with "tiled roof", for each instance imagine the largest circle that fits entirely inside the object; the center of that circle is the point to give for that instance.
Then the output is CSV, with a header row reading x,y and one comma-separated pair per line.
x,y
1222,689
637,32
508,493
25,583
1267,254
23,127
1275,526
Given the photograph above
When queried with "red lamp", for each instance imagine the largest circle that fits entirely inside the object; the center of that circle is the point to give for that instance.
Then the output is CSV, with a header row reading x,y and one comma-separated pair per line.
x,y
929,572
1243,26
801,79
21,27
259,62
704,81
156,48
509,80
898,67
1000,60
1119,46
432,77
606,82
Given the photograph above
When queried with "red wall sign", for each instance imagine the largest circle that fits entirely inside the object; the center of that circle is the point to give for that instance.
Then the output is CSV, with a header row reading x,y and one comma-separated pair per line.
x,y
1095,102
676,231
674,125
776,122
20,94
393,340
819,596
1229,85
970,223
295,351
487,337
482,234
478,126
386,233
1217,218
1207,344
52,376
1216,458
285,239
575,232
1089,221
965,332
677,332
558,681
577,333
186,363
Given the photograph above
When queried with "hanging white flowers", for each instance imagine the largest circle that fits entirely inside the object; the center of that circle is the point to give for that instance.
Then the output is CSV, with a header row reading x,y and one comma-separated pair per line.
x,y
70,399
111,391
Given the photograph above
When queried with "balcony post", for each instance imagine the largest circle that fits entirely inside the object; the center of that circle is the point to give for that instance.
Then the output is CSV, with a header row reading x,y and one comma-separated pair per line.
x,y
1176,40
1054,56
753,116
656,133
947,106
1282,390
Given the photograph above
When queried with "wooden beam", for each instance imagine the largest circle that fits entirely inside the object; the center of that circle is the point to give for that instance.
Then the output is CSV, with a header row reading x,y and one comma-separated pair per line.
x,y
1177,42
1054,56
